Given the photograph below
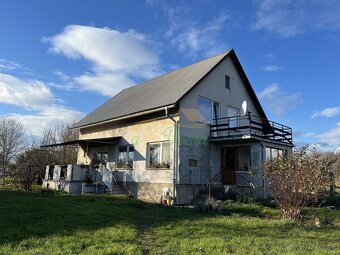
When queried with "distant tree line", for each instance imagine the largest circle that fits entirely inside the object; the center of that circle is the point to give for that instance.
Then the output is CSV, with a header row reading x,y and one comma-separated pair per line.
x,y
23,160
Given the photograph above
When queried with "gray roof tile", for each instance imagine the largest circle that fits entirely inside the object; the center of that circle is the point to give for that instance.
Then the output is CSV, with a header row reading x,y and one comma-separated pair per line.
x,y
161,91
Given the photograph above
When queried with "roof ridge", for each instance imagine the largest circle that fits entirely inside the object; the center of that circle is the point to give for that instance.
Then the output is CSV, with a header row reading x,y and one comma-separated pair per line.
x,y
180,68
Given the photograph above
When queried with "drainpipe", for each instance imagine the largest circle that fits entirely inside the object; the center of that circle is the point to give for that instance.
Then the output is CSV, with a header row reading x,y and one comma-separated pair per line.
x,y
175,168
264,188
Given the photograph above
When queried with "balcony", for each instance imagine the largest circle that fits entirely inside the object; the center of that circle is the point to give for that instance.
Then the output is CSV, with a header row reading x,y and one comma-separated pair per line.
x,y
250,127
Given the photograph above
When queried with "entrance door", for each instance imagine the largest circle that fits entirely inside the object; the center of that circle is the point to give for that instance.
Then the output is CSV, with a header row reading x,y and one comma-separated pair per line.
x,y
229,165
233,114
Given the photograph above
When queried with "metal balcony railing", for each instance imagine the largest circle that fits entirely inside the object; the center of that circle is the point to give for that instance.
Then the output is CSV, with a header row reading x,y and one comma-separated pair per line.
x,y
249,126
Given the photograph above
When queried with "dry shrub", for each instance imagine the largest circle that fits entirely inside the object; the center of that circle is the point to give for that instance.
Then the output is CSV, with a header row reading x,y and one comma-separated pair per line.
x,y
297,179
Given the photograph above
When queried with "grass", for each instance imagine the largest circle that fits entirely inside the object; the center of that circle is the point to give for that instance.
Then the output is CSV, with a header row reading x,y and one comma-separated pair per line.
x,y
49,223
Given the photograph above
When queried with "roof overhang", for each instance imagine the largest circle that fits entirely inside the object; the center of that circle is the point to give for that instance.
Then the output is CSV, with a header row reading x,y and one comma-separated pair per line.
x,y
83,142
162,108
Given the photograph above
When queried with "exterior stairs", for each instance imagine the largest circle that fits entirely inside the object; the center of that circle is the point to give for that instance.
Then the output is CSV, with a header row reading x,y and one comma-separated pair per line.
x,y
118,189
112,186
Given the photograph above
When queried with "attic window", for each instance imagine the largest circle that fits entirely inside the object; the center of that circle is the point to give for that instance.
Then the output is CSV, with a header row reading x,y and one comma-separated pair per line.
x,y
227,82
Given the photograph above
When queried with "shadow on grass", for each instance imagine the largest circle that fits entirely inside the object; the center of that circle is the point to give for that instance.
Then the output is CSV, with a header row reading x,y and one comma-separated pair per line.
x,y
27,215
37,215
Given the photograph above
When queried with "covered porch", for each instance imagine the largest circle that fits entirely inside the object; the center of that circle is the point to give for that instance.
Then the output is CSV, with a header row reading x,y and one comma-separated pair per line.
x,y
91,173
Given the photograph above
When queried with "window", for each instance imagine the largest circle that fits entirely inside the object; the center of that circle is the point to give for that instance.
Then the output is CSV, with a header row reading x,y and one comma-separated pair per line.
x,y
50,172
233,114
101,158
208,109
158,155
244,156
272,153
227,82
125,157
192,162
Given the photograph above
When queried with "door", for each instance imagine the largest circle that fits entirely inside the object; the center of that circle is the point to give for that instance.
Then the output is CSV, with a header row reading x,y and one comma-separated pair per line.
x,y
233,114
229,165
215,116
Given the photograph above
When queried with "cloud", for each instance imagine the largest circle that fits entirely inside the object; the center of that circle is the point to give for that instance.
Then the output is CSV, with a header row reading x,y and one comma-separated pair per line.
x,y
44,110
49,116
190,35
278,101
271,68
331,136
102,82
117,58
327,112
289,18
6,65
195,38
31,94
269,91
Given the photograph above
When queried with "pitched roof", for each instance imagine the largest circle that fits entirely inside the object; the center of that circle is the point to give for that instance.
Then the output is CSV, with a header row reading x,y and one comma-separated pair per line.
x,y
165,90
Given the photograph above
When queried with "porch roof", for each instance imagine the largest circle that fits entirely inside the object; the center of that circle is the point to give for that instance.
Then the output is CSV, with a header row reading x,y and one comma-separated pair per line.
x,y
96,141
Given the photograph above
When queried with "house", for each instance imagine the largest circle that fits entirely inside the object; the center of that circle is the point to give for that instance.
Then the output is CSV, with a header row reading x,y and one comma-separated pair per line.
x,y
198,127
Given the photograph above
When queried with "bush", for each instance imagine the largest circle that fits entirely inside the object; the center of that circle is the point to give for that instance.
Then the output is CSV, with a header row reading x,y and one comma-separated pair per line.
x,y
298,179
206,205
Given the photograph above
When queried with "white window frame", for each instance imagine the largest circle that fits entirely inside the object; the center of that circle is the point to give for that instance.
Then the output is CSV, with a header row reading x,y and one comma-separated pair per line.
x,y
229,82
128,147
212,110
237,121
148,166
270,157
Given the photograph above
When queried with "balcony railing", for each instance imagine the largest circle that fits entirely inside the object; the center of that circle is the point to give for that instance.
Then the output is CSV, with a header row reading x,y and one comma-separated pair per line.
x,y
249,126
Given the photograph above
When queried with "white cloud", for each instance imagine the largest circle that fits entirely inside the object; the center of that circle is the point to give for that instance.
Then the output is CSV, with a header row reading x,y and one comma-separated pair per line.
x,y
190,35
331,136
289,18
269,91
6,65
309,134
44,110
193,38
271,68
327,112
27,93
278,101
102,82
49,116
117,58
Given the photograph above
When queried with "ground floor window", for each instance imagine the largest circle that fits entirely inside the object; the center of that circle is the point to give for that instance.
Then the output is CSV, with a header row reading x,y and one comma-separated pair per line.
x,y
125,156
50,172
272,153
244,157
100,158
158,155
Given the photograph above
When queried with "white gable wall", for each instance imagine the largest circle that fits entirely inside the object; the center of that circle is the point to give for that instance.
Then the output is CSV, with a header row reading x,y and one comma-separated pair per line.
x,y
194,134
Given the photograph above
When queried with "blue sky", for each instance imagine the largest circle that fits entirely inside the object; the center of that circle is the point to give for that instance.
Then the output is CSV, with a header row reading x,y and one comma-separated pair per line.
x,y
59,60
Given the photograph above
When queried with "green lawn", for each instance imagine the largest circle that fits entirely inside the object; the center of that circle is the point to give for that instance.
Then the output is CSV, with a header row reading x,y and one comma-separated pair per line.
x,y
37,223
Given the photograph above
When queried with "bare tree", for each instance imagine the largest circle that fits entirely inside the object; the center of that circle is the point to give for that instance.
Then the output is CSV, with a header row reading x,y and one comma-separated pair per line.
x,y
298,179
11,142
60,133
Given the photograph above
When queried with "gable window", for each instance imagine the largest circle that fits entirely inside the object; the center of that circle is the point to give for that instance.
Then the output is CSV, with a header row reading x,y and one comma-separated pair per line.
x,y
208,109
125,157
227,82
158,155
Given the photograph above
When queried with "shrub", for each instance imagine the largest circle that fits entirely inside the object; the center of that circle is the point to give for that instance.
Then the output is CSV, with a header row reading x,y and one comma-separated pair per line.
x,y
208,205
297,179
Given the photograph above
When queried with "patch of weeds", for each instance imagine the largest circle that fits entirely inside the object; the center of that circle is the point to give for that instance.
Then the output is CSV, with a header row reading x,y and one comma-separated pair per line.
x,y
204,204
